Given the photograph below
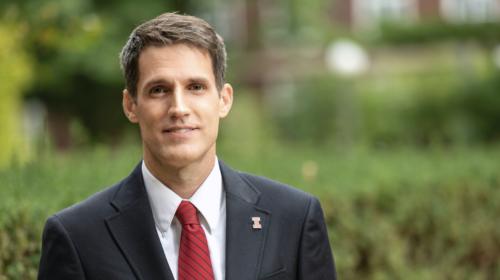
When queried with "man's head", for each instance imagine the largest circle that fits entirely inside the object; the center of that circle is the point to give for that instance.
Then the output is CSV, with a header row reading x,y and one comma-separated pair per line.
x,y
175,91
169,29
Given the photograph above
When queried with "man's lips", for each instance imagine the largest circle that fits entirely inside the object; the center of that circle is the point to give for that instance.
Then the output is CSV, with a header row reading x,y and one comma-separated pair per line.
x,y
179,129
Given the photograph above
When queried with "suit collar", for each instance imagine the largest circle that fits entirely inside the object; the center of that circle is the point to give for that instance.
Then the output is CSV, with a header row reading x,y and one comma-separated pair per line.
x,y
134,231
235,185
208,199
133,188
244,244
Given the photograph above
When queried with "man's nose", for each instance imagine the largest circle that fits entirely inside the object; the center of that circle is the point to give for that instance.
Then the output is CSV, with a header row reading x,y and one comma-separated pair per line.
x,y
178,107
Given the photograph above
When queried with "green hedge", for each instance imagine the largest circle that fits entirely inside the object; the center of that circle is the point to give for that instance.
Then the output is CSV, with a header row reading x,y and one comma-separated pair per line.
x,y
400,214
417,109
439,31
438,231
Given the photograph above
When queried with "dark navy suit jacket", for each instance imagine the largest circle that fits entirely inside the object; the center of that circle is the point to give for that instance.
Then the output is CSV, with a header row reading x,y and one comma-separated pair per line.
x,y
112,234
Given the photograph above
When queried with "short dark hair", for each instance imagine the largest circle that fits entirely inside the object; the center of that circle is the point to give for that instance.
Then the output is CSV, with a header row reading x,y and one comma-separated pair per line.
x,y
168,29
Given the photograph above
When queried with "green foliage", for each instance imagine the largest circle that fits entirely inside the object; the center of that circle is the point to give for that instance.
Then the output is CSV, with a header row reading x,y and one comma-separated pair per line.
x,y
422,109
421,216
32,192
19,237
15,73
245,132
403,213
75,46
486,33
480,101
309,113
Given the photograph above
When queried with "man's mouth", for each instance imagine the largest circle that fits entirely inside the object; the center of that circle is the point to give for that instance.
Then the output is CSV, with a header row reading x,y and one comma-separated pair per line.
x,y
179,129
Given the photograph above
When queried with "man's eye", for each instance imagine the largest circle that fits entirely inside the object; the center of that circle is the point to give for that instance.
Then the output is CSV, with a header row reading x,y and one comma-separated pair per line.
x,y
157,90
196,87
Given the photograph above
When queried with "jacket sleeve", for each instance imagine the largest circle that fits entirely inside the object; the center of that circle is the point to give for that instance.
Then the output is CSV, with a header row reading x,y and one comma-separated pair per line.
x,y
59,258
315,256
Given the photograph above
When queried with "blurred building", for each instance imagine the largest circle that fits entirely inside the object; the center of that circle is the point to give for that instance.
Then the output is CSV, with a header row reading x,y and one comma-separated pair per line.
x,y
367,14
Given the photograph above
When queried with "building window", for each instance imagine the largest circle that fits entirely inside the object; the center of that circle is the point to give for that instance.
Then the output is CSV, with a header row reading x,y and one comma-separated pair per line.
x,y
470,11
371,12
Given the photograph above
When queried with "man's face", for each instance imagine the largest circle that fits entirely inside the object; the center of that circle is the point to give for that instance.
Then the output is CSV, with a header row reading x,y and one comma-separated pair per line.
x,y
178,106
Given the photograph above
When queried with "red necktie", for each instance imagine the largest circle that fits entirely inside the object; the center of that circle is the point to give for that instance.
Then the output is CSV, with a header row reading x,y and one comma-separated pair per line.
x,y
194,256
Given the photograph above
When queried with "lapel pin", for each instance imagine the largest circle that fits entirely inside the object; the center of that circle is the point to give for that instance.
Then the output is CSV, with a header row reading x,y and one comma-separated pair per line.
x,y
256,223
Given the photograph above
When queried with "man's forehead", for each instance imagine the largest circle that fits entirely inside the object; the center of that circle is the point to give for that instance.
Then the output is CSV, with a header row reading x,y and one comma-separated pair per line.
x,y
175,62
177,48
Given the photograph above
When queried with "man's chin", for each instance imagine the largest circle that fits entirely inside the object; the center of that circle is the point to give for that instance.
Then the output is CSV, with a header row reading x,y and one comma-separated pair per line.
x,y
182,159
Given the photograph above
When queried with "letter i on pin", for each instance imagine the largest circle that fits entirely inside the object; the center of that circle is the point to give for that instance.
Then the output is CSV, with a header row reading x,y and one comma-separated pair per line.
x,y
256,223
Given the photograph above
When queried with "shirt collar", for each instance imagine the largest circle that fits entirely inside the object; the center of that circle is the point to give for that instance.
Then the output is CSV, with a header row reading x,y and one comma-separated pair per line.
x,y
208,199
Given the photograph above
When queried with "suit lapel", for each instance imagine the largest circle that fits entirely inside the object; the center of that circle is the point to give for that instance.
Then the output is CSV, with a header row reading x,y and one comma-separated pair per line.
x,y
244,244
134,231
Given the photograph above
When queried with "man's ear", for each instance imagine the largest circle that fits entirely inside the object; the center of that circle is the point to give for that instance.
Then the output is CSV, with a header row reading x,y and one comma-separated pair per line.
x,y
226,100
129,106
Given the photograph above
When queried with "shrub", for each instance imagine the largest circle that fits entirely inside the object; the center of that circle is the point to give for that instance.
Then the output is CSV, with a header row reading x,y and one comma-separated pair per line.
x,y
400,214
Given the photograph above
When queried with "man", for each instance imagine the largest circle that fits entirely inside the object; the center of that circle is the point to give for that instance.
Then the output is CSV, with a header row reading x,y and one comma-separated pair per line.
x,y
182,214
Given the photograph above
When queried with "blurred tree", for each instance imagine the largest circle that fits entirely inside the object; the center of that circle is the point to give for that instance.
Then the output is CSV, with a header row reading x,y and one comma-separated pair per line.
x,y
311,114
476,100
480,102
15,72
75,46
437,31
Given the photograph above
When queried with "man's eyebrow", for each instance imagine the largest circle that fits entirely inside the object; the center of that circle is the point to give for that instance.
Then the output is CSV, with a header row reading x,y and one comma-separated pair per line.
x,y
192,80
198,80
157,81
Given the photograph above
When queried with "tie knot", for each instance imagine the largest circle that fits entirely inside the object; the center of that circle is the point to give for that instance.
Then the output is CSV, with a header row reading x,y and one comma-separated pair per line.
x,y
186,213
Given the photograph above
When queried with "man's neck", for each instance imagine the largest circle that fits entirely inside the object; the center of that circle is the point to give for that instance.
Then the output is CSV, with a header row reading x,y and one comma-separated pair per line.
x,y
185,180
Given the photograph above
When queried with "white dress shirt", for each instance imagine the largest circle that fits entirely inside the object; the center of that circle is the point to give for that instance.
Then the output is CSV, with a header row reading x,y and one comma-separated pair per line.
x,y
209,199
